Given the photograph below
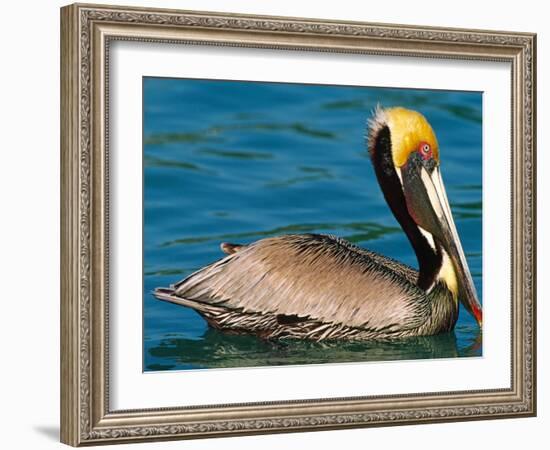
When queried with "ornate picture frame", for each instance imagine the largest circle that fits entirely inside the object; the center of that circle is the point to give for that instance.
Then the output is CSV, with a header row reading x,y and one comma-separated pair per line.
x,y
87,32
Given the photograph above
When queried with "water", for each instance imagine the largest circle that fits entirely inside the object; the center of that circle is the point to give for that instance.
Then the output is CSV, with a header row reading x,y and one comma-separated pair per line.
x,y
240,161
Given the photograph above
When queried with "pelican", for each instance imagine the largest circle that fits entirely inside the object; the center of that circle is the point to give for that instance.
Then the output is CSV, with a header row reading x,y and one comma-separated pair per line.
x,y
321,287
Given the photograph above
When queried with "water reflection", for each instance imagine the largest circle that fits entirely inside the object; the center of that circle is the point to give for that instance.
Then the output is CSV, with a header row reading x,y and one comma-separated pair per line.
x,y
150,161
213,133
235,154
225,350
367,231
315,175
466,112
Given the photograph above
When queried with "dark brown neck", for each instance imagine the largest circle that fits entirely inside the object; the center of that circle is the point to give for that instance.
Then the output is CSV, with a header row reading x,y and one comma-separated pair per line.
x,y
429,259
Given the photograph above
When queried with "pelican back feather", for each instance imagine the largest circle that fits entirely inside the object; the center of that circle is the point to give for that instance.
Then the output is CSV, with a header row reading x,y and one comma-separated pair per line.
x,y
311,280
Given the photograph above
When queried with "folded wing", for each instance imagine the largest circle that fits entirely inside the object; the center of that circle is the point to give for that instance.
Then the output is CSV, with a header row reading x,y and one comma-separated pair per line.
x,y
315,277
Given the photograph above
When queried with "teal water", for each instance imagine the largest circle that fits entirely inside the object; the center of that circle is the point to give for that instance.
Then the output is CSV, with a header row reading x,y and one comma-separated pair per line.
x,y
240,161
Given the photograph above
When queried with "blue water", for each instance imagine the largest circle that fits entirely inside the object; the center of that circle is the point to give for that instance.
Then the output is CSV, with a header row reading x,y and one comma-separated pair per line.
x,y
240,161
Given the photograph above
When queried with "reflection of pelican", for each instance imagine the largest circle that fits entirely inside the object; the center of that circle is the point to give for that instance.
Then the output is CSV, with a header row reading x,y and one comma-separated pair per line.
x,y
215,350
320,287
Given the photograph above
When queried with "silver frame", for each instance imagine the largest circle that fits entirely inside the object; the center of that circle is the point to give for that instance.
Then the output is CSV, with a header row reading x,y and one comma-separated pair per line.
x,y
86,33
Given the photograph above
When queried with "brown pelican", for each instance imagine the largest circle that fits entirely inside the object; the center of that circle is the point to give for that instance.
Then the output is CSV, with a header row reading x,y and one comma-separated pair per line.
x,y
321,287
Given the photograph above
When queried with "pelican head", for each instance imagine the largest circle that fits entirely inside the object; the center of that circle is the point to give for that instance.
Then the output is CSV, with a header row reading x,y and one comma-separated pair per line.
x,y
405,155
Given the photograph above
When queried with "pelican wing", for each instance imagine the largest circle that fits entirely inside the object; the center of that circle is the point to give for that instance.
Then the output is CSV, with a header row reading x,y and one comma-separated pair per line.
x,y
312,276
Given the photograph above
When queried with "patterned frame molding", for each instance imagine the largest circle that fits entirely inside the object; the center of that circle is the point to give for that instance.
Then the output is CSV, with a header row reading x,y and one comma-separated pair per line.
x,y
86,33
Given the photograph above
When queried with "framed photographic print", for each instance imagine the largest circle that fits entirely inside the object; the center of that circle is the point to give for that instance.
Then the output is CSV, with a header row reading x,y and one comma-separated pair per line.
x,y
275,224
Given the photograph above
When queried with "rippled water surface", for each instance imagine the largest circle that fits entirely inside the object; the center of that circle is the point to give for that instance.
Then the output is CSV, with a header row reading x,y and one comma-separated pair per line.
x,y
240,161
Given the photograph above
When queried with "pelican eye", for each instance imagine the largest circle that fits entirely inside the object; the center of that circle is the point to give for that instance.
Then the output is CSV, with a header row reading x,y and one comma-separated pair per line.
x,y
425,150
